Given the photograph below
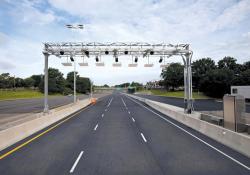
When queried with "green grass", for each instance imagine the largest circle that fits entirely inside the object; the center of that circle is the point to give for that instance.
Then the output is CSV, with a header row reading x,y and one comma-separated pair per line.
x,y
21,94
179,94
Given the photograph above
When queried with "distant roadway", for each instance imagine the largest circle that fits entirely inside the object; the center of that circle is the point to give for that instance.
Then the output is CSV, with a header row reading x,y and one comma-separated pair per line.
x,y
199,104
120,136
13,112
34,104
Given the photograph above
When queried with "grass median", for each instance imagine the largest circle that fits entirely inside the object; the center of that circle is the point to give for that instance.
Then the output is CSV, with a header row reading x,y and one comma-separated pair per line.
x,y
21,94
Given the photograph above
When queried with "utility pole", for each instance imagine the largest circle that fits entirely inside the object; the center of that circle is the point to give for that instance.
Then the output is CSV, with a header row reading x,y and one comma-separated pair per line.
x,y
14,82
78,26
91,90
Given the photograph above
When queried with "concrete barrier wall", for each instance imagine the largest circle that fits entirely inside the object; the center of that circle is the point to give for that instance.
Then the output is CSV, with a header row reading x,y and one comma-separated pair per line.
x,y
14,134
234,140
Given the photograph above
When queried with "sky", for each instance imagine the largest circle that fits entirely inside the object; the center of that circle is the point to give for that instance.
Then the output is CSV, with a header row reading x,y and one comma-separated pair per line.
x,y
213,28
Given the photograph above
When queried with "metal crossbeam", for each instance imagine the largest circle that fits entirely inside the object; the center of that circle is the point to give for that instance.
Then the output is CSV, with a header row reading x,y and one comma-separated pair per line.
x,y
117,48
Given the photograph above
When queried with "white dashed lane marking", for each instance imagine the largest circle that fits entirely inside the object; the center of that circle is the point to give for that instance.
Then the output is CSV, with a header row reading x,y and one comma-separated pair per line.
x,y
133,119
96,126
143,137
110,102
76,162
124,103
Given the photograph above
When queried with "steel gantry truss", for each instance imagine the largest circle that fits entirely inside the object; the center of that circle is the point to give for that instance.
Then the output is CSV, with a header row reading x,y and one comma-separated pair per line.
x,y
137,49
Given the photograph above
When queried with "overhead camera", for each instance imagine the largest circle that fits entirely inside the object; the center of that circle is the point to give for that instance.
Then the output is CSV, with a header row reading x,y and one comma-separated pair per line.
x,y
61,52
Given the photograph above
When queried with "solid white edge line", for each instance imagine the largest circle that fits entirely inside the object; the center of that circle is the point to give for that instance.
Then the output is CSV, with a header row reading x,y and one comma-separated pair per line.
x,y
216,149
129,112
76,162
133,119
102,115
143,137
96,126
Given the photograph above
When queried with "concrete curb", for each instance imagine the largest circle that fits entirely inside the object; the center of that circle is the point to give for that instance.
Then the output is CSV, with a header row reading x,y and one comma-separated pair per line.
x,y
14,134
234,140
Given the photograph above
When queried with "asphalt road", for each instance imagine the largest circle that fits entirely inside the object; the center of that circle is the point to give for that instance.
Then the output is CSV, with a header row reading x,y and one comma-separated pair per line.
x,y
20,106
199,104
121,136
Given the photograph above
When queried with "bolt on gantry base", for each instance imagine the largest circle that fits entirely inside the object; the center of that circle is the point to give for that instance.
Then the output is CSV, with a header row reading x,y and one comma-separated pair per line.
x,y
70,49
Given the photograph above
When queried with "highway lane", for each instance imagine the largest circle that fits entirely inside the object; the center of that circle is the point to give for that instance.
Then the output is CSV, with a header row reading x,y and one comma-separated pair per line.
x,y
119,135
55,152
199,104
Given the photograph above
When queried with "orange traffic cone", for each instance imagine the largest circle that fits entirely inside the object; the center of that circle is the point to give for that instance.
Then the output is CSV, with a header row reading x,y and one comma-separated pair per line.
x,y
93,100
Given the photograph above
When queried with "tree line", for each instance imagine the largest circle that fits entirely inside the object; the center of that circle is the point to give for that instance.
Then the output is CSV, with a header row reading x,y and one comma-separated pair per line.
x,y
136,85
208,77
57,83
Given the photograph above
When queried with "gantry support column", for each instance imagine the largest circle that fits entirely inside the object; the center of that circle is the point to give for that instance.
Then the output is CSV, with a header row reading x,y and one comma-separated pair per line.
x,y
188,98
74,81
46,59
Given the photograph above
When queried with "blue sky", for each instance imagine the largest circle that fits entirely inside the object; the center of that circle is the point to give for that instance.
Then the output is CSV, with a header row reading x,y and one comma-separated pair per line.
x,y
213,28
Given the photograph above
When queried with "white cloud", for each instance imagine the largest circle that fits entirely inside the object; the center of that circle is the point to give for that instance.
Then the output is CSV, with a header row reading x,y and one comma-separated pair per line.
x,y
213,28
20,56
233,15
25,12
6,65
3,39
246,35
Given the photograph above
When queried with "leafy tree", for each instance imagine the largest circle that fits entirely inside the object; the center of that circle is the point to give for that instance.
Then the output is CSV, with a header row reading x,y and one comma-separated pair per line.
x,y
106,86
83,85
5,75
137,85
200,68
56,81
5,81
227,63
246,65
123,85
173,75
70,80
19,82
243,78
217,82
29,82
37,79
230,64
161,83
